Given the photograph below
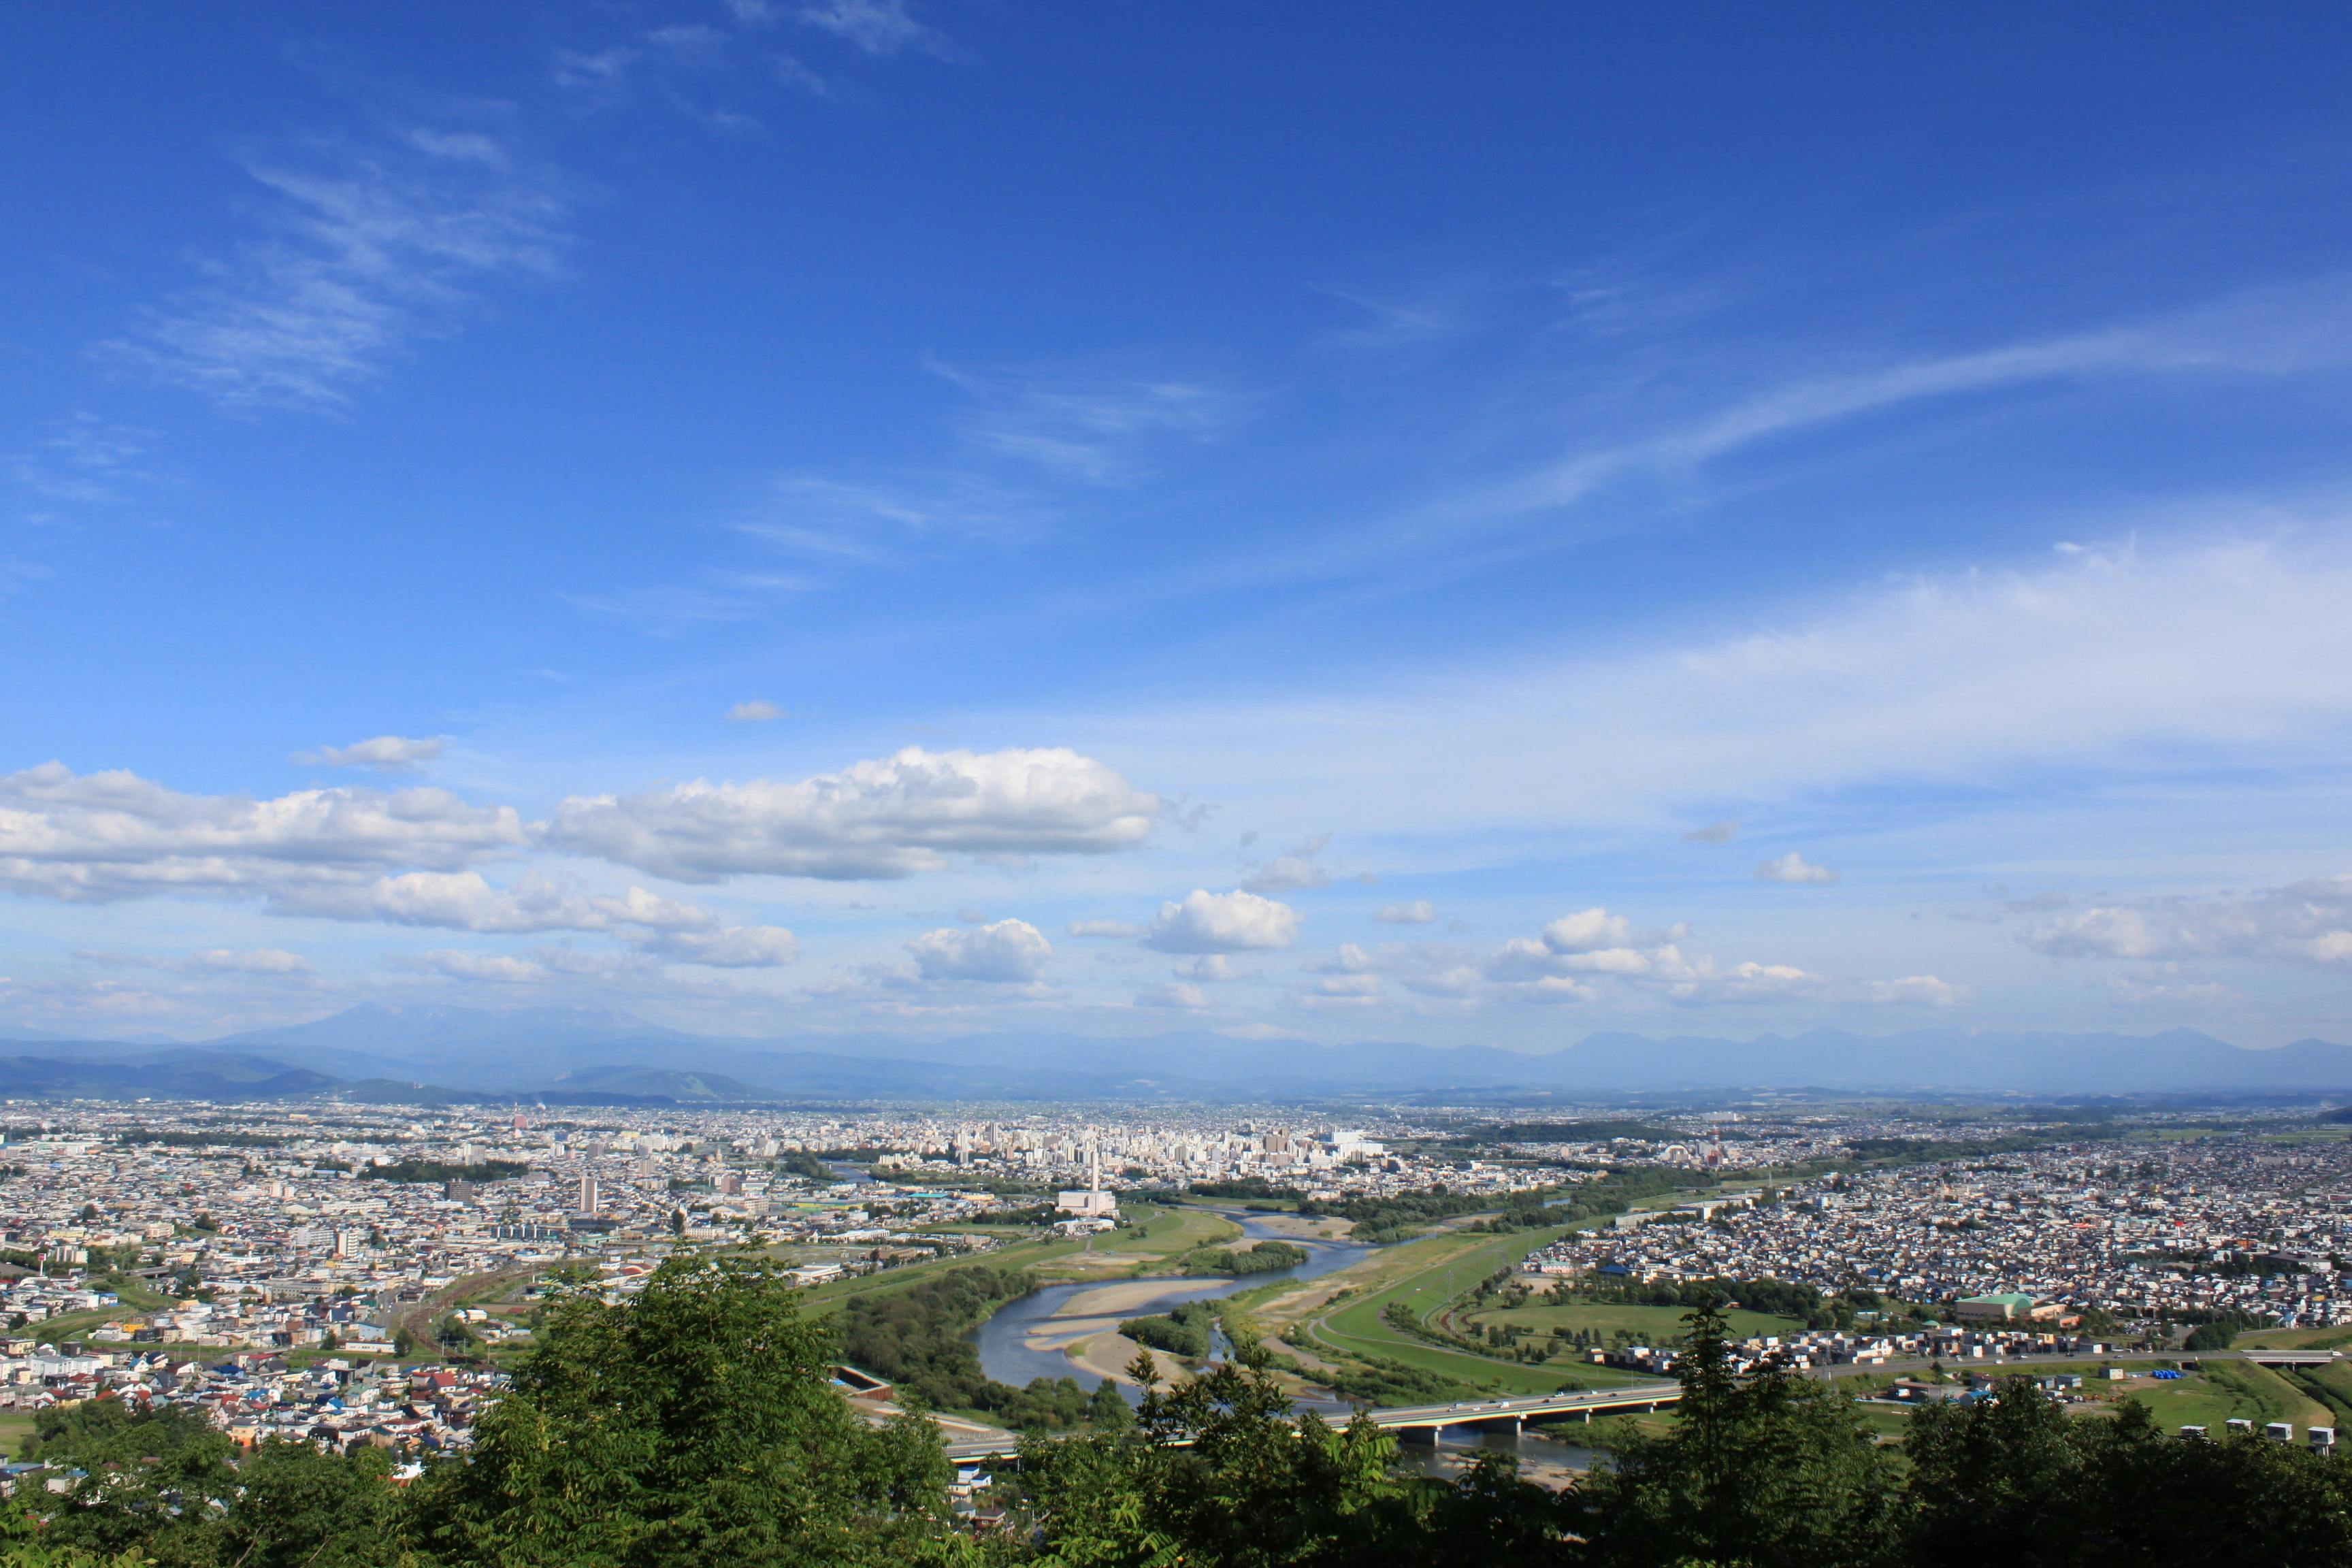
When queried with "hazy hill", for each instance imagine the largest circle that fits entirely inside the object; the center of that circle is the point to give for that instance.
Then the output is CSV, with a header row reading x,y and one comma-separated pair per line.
x,y
596,1056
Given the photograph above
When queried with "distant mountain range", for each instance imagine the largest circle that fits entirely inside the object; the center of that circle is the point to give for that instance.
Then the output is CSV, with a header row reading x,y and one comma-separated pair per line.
x,y
594,1056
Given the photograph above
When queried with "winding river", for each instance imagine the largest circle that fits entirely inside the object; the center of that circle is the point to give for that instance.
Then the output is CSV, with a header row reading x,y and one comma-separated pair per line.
x,y
1003,1340
1005,1354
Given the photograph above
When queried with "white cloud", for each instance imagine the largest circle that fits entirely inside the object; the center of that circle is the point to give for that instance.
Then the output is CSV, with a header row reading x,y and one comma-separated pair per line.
x,y
1587,930
875,26
466,900
1419,912
1237,921
498,968
1455,981
99,836
1104,927
1347,985
1174,993
1007,951
2302,922
1102,431
1713,832
1794,868
758,711
1593,953
833,522
2132,661
363,254
253,961
1209,969
1349,959
2129,991
1292,870
384,753
727,947
1740,984
894,817
1914,991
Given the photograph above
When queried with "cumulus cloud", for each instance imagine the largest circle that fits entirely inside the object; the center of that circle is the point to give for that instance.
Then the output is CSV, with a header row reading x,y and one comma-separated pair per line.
x,y
2302,922
496,967
466,900
1007,951
1209,969
887,818
1349,959
384,753
1449,982
727,947
1295,869
1705,986
1174,993
94,837
1574,957
1348,986
1794,868
1419,912
1238,922
1587,930
1914,991
1104,927
758,711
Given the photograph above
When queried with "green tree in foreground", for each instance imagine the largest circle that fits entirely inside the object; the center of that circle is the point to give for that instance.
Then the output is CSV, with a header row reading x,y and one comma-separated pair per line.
x,y
1772,1470
1256,1489
695,1424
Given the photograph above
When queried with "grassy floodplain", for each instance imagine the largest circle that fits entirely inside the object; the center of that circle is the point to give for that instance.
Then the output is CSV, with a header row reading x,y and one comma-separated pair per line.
x,y
1423,1277
1646,1325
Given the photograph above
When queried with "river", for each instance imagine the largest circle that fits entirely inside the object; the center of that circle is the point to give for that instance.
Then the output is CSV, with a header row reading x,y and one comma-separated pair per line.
x,y
1005,1355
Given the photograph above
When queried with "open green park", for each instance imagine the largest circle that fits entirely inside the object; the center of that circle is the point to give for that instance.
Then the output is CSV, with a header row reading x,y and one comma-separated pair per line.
x,y
1607,1319
1423,1278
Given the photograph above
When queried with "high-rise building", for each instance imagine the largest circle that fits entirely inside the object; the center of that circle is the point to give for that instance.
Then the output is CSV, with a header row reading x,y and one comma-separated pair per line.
x,y
589,1196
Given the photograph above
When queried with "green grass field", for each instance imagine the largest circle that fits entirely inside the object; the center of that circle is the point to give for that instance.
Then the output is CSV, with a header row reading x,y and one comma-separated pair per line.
x,y
1166,1233
821,1300
2328,1339
2223,1391
1424,1275
1648,1325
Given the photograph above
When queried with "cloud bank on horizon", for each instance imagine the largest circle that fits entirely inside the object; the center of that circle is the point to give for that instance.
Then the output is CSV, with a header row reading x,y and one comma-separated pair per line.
x,y
1802,536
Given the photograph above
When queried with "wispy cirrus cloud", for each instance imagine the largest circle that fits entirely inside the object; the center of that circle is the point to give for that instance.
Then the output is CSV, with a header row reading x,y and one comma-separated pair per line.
x,y
359,254
1096,430
382,753
879,28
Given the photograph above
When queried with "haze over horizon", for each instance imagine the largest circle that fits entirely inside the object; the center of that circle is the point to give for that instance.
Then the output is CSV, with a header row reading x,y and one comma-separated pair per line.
x,y
858,515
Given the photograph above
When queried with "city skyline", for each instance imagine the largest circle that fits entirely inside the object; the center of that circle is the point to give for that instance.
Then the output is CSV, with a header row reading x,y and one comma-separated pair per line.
x,y
872,517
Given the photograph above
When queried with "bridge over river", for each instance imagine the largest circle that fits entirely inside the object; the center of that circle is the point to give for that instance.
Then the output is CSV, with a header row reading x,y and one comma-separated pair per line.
x,y
1421,1423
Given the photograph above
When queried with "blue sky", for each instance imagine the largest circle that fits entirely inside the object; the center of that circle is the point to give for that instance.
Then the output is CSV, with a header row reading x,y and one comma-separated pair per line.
x,y
1368,521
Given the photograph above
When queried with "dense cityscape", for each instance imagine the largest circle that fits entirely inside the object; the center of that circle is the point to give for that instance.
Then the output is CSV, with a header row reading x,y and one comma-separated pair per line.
x,y
310,1271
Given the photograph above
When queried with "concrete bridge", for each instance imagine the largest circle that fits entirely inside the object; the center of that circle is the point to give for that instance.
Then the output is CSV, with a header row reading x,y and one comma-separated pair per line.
x,y
1420,1423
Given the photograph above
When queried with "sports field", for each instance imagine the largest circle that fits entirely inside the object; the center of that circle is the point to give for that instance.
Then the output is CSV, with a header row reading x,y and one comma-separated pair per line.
x,y
1647,1325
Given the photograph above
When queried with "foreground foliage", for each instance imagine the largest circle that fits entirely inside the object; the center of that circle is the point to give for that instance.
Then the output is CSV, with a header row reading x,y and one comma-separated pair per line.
x,y
697,1425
